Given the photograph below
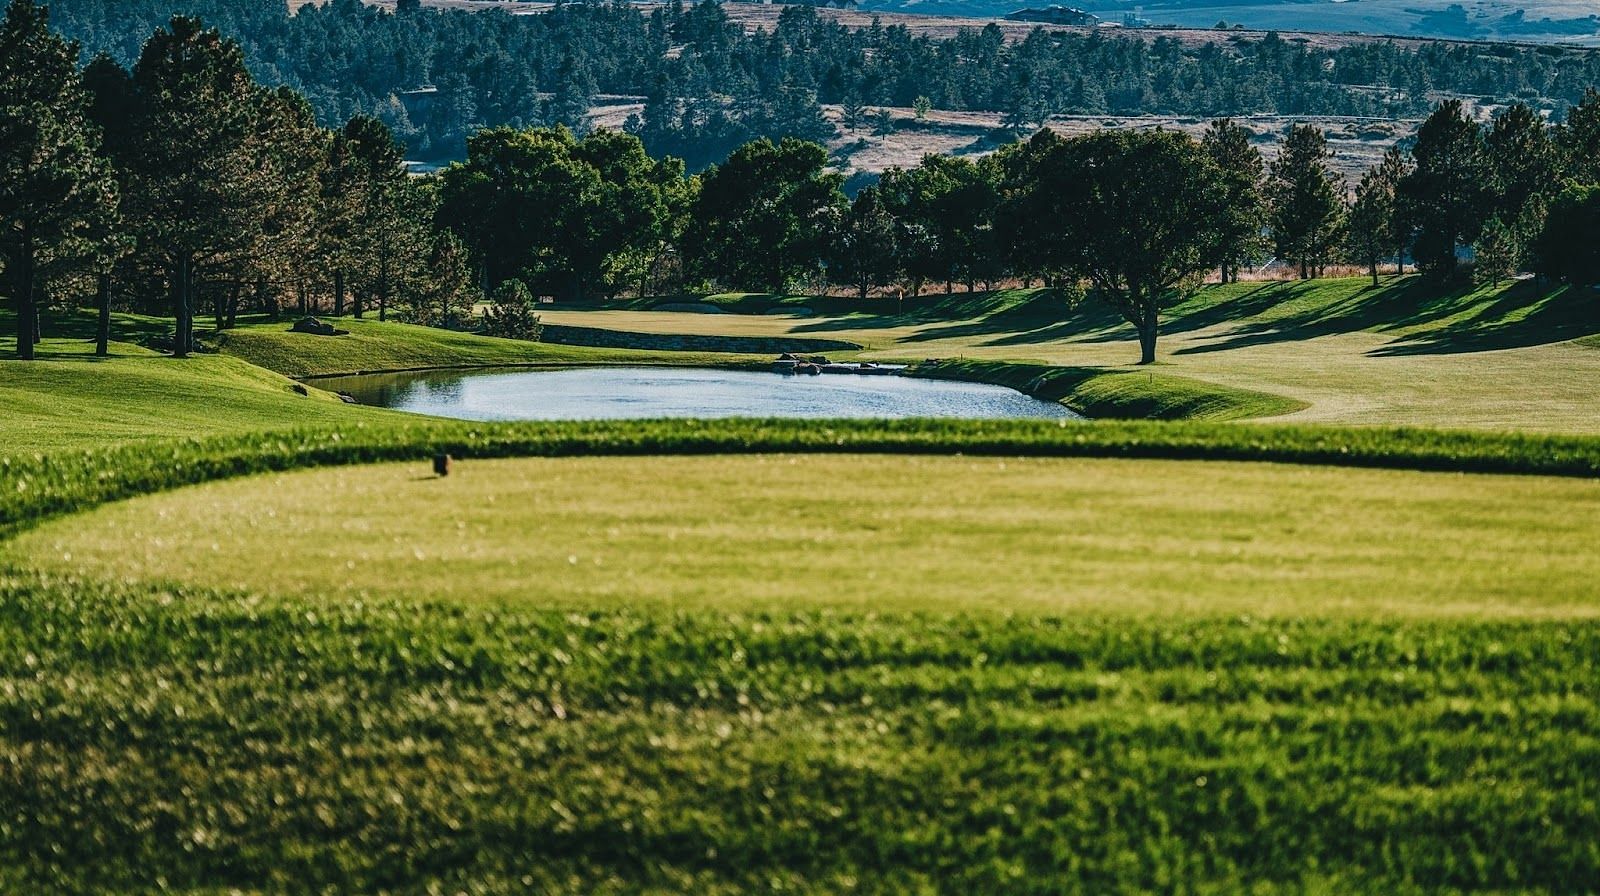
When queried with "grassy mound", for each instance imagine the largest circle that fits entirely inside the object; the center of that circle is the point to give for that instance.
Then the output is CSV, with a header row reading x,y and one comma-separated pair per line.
x,y
866,532
35,489
72,400
1114,394
201,742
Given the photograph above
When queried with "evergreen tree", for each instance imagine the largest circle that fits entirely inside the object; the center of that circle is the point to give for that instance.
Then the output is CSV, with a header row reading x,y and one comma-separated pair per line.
x,y
1371,221
1243,208
1306,200
56,195
1499,253
511,313
1390,171
192,185
1450,192
1578,139
1522,159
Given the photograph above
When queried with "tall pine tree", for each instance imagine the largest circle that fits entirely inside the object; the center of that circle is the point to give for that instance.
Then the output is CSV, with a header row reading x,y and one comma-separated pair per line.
x,y
56,194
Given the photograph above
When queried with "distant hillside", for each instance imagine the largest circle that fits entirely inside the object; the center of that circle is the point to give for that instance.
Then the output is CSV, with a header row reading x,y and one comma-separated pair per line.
x,y
1539,21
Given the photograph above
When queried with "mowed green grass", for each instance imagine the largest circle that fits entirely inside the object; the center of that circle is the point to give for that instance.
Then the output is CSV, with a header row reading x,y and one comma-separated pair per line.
x,y
1502,358
767,533
70,399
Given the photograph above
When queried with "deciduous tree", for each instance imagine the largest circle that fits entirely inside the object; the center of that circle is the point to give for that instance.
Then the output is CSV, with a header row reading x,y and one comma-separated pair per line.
x,y
762,218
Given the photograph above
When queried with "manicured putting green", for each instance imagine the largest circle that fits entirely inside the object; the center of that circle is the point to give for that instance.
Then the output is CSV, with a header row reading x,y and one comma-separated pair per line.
x,y
895,533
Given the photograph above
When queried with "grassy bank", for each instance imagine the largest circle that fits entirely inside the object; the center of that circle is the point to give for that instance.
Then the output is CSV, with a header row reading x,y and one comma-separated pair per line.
x,y
375,347
72,400
1116,395
196,742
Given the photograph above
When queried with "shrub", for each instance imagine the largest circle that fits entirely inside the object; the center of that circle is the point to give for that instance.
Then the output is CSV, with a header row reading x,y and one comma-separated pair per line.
x,y
510,314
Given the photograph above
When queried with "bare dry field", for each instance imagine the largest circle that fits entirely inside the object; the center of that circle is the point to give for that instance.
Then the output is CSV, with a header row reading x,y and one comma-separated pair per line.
x,y
1357,143
764,15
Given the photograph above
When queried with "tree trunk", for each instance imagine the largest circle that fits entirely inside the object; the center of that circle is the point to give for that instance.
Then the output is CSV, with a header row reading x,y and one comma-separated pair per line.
x,y
300,292
355,303
102,333
338,292
182,325
1374,271
266,300
1305,269
233,304
1148,326
26,310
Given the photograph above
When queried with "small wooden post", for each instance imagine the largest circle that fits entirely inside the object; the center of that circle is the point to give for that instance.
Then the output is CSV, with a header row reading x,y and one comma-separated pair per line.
x,y
441,465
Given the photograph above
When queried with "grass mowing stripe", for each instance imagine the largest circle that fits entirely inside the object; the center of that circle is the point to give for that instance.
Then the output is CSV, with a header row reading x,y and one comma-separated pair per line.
x,y
218,740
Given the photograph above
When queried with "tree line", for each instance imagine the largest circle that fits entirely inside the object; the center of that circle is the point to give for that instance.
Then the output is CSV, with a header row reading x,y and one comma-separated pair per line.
x,y
192,186
1134,218
709,86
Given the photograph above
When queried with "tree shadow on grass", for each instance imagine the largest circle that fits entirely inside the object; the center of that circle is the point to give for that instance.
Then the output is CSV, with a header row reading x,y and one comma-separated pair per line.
x,y
1519,317
1401,308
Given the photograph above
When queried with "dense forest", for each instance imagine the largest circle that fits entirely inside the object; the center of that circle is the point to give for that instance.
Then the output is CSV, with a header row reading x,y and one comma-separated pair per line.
x,y
711,87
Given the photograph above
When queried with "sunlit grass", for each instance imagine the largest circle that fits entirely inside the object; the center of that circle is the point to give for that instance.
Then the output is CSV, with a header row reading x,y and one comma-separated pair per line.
x,y
892,534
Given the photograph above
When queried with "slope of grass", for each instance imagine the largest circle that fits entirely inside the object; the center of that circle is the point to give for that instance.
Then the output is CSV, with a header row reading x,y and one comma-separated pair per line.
x,y
72,400
374,347
861,532
1117,395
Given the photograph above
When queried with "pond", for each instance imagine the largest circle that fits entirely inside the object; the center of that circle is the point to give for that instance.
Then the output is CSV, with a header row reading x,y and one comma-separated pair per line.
x,y
621,393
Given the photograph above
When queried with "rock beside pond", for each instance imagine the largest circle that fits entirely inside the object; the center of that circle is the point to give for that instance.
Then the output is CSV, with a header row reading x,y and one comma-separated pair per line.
x,y
316,327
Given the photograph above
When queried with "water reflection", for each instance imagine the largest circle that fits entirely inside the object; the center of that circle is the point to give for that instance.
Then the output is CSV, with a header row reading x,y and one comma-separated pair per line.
x,y
612,393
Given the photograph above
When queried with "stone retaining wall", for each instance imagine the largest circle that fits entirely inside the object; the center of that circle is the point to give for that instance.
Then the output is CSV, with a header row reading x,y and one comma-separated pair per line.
x,y
666,342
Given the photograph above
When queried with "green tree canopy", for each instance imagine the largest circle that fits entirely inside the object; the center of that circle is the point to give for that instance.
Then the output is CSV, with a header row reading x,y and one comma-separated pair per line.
x,y
1243,211
762,218
567,216
1133,214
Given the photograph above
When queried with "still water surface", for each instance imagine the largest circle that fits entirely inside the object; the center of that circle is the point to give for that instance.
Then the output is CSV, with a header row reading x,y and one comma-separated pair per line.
x,y
621,393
